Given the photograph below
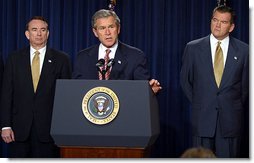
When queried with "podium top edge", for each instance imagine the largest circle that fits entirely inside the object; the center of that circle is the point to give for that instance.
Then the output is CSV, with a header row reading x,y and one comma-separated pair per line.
x,y
91,80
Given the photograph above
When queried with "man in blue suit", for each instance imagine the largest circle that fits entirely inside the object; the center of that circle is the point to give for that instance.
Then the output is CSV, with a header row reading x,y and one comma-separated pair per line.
x,y
218,105
129,63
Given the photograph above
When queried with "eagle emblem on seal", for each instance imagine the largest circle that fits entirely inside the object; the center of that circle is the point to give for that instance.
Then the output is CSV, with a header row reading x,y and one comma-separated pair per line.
x,y
101,105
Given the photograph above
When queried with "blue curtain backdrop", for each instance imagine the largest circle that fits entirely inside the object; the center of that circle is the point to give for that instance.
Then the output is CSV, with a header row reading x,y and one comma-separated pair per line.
x,y
161,28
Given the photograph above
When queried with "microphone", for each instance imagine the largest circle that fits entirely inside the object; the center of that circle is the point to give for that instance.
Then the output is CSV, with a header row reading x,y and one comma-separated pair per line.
x,y
102,68
110,63
100,63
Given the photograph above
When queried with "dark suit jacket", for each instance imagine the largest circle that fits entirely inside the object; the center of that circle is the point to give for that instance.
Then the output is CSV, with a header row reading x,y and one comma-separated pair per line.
x,y
21,107
208,101
129,64
1,78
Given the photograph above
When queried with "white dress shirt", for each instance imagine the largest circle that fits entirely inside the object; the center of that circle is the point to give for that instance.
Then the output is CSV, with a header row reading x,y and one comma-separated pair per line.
x,y
102,51
224,46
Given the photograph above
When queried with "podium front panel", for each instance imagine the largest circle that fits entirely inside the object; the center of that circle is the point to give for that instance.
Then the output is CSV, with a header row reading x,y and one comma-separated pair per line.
x,y
136,124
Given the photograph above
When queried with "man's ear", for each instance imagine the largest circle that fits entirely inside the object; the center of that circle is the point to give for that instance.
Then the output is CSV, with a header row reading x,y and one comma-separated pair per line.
x,y
27,34
95,32
231,27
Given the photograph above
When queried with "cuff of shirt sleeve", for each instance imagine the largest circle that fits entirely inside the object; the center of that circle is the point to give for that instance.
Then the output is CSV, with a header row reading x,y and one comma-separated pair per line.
x,y
5,128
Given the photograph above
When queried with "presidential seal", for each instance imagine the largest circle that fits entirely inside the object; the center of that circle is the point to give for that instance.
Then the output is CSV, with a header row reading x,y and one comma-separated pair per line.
x,y
100,105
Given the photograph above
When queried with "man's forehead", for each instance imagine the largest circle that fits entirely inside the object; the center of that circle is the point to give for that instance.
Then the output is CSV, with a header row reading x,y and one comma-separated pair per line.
x,y
38,23
105,19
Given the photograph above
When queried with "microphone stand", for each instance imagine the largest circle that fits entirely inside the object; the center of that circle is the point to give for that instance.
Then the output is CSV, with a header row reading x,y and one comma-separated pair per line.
x,y
103,73
104,70
100,64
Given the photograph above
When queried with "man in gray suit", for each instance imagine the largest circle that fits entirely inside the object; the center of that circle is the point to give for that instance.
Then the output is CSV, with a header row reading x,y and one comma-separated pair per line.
x,y
219,98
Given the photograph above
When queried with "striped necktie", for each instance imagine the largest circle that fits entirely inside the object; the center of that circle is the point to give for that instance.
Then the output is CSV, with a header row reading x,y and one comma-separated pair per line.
x,y
103,68
106,62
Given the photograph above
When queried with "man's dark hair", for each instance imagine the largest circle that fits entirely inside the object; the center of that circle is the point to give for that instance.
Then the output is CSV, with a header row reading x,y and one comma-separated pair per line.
x,y
37,18
226,9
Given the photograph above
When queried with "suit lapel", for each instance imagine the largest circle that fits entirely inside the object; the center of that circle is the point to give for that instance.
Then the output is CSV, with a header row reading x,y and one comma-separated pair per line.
x,y
89,63
47,68
25,61
230,65
120,62
93,59
207,60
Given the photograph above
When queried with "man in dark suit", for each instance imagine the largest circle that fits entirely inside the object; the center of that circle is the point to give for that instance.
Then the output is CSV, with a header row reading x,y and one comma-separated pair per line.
x,y
1,78
218,97
129,63
28,93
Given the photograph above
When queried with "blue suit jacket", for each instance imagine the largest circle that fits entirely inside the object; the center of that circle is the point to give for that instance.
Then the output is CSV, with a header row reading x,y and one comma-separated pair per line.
x,y
130,63
209,102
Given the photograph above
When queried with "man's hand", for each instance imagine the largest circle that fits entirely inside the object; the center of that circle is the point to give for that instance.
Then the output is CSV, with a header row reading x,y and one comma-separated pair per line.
x,y
155,85
8,135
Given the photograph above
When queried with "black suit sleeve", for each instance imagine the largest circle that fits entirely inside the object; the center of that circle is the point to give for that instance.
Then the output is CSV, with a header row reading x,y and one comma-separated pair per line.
x,y
66,68
6,94
141,68
1,77
245,81
186,74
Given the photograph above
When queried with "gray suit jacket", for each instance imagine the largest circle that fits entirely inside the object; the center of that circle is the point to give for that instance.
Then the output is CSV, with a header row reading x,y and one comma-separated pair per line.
x,y
209,102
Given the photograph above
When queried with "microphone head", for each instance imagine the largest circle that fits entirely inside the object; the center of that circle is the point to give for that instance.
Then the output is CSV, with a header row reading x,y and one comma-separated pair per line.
x,y
110,62
100,63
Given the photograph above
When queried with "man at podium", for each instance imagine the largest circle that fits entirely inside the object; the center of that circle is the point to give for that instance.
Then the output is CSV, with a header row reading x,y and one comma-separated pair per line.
x,y
111,59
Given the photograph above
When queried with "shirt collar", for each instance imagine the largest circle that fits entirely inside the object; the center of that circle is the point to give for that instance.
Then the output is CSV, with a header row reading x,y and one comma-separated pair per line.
x,y
214,41
42,50
113,48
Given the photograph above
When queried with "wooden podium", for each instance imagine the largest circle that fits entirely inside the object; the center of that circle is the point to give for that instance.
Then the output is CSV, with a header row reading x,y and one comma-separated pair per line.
x,y
103,152
129,135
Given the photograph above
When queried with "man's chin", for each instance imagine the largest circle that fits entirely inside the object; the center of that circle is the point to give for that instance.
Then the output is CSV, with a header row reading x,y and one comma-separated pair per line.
x,y
109,44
